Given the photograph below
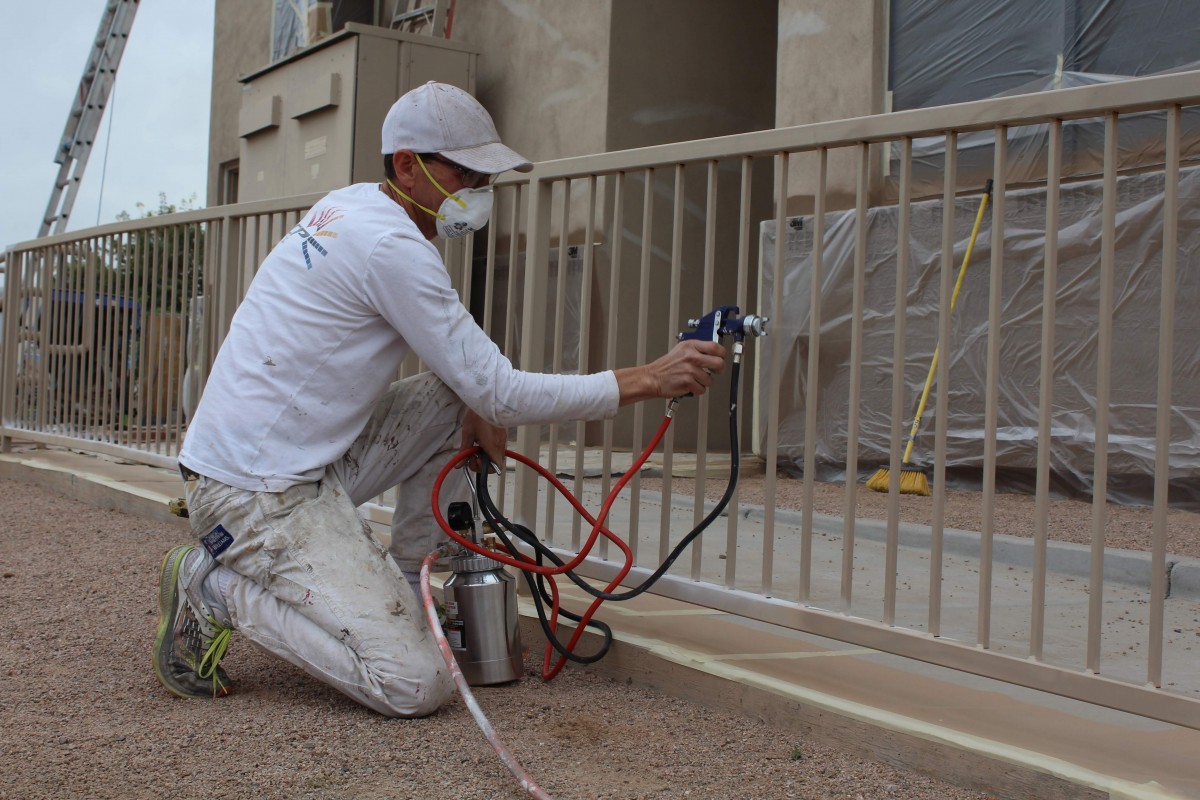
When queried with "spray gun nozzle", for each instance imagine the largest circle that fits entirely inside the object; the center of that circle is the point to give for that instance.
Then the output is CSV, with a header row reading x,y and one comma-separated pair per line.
x,y
752,324
724,321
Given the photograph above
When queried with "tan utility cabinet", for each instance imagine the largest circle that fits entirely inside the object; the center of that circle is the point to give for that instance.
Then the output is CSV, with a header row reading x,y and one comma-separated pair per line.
x,y
312,122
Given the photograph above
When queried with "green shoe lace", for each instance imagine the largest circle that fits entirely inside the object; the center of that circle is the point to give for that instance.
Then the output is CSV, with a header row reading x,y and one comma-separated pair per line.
x,y
207,668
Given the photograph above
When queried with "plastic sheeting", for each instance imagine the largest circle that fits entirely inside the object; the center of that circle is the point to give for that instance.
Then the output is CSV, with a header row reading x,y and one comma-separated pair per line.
x,y
950,52
942,52
1140,142
1139,236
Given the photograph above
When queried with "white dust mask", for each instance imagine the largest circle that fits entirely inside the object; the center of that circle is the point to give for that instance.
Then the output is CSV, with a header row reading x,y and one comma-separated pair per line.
x,y
463,212
460,213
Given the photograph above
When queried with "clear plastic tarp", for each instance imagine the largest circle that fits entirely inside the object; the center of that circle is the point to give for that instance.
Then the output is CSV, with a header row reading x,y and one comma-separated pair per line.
x,y
1140,142
949,52
952,52
1134,367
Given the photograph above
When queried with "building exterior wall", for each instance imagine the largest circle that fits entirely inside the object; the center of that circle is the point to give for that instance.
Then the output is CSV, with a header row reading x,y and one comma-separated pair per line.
x,y
241,44
831,60
543,72
567,79
690,69
832,65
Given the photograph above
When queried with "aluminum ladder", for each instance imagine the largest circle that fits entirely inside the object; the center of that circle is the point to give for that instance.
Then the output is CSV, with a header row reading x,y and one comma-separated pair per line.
x,y
99,75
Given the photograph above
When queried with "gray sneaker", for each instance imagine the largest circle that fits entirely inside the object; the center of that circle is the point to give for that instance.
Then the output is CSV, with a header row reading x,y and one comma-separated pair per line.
x,y
190,641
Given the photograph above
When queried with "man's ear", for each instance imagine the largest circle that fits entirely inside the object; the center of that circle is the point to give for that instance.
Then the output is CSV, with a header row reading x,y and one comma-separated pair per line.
x,y
405,165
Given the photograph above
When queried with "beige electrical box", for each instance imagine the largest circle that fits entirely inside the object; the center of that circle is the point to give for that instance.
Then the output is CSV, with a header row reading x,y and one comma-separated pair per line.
x,y
312,122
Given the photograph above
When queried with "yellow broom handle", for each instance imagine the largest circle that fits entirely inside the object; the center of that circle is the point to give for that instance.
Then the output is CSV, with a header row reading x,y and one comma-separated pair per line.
x,y
962,272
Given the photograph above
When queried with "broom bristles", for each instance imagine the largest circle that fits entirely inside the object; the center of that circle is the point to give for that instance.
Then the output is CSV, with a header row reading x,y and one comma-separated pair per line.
x,y
880,480
912,481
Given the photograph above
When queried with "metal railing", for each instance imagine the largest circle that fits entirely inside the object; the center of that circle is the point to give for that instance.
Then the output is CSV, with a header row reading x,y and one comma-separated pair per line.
x,y
594,262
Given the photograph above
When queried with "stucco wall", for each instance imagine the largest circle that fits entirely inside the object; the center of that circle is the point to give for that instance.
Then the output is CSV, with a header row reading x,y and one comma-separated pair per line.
x,y
832,65
542,72
831,60
690,69
241,44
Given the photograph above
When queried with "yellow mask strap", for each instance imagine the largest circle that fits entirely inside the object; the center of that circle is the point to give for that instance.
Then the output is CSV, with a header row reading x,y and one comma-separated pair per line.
x,y
462,203
396,189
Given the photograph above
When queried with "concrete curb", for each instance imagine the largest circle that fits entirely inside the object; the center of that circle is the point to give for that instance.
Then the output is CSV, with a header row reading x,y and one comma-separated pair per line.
x,y
1184,580
93,489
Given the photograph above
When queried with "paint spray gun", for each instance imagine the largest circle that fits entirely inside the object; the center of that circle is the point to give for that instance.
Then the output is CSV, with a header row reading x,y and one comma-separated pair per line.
x,y
724,321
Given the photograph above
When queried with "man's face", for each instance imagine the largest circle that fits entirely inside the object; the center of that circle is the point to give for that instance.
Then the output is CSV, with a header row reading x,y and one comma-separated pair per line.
x,y
414,181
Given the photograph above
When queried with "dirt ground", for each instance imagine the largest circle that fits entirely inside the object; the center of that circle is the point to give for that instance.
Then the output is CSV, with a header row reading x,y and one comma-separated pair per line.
x,y
82,715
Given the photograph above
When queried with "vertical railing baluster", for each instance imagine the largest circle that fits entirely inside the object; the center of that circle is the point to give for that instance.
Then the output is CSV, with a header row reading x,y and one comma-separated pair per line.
x,y
812,376
53,357
774,376
949,190
743,300
1162,425
858,291
637,441
1104,343
899,386
611,327
585,337
556,341
991,388
703,402
1037,611
679,199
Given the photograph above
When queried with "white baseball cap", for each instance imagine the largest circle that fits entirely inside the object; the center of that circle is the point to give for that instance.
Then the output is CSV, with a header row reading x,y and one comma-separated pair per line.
x,y
443,119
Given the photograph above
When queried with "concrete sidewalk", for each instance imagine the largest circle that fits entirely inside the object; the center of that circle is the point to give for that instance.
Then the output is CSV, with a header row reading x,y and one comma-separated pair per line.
x,y
968,730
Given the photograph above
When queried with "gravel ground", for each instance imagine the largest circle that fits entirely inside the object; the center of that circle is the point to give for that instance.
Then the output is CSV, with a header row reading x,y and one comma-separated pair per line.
x,y
82,715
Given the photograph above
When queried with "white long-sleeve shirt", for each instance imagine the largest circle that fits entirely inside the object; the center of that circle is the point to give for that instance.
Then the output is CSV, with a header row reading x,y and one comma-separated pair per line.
x,y
331,313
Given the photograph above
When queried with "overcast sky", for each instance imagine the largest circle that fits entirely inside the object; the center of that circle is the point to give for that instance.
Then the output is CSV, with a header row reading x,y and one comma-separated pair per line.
x,y
159,110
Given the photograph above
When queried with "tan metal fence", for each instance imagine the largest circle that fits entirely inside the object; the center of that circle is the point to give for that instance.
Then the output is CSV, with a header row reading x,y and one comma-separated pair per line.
x,y
596,262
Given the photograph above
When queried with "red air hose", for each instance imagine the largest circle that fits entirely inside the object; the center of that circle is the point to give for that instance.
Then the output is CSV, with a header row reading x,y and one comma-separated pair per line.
x,y
549,670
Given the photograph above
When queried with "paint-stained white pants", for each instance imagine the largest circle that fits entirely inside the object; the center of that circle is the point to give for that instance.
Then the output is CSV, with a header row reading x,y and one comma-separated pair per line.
x,y
313,586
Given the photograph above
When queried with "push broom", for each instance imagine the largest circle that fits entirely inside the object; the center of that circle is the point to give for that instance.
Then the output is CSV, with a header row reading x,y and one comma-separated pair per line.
x,y
913,480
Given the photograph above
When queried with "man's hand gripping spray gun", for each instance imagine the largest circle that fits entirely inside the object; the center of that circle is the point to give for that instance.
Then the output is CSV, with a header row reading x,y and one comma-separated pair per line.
x,y
724,321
